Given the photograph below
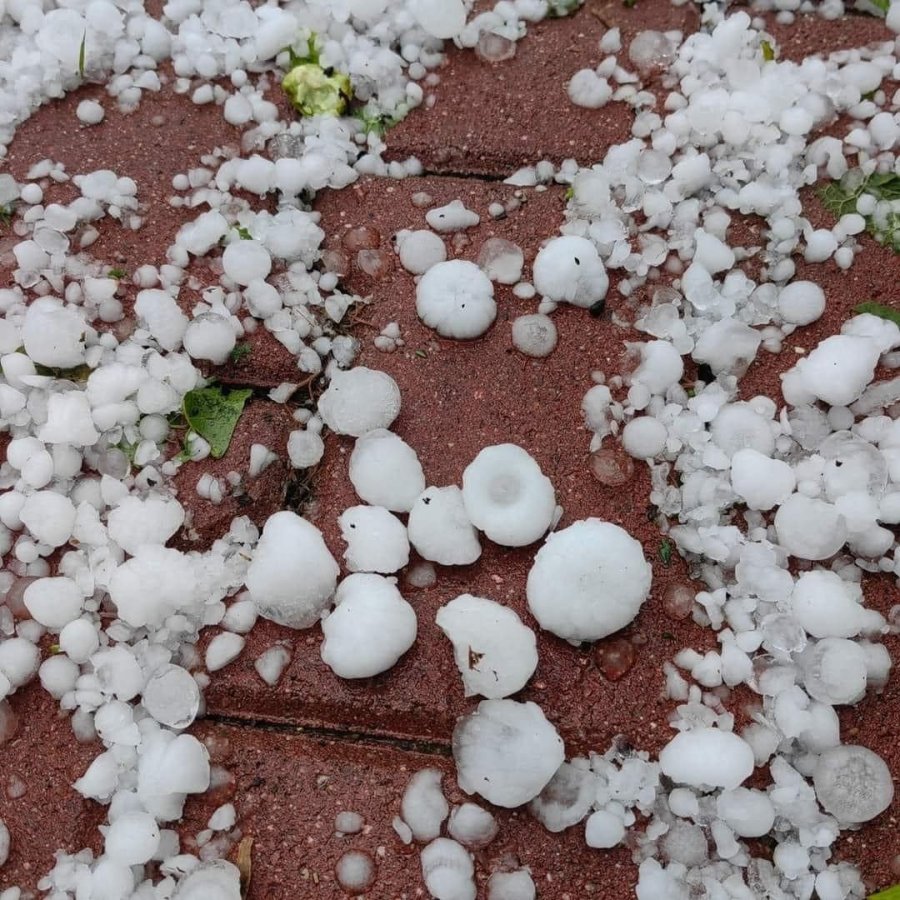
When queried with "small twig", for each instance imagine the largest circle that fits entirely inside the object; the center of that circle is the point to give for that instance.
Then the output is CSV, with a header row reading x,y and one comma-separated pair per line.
x,y
245,866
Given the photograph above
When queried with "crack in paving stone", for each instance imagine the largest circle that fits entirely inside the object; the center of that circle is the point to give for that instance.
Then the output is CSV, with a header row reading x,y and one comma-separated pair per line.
x,y
409,745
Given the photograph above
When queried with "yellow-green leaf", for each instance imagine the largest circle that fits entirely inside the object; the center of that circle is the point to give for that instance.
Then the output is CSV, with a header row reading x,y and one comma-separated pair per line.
x,y
891,893
214,414
768,51
315,93
883,312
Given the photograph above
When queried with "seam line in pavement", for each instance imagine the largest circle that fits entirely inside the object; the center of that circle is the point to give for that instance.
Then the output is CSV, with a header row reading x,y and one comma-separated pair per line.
x,y
431,748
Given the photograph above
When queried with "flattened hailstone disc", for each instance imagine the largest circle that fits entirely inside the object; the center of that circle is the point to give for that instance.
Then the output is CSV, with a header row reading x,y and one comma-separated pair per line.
x,y
588,581
456,299
853,783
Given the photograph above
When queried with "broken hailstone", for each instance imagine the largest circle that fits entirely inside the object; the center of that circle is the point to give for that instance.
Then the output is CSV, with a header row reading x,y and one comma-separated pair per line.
x,y
588,581
707,757
376,540
507,496
448,870
369,629
495,653
440,529
456,299
569,270
292,576
359,400
172,697
385,471
506,751
424,807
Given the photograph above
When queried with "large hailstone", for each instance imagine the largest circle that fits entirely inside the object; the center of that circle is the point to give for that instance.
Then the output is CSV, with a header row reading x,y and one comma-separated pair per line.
x,y
359,400
827,606
135,521
440,529
761,482
569,270
707,757
588,581
369,629
385,471
496,654
507,496
853,783
835,671
837,371
442,19
456,299
292,575
506,752
809,528
376,540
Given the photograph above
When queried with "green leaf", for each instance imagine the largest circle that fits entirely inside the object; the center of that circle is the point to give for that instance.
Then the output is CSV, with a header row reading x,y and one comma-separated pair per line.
x,y
374,122
81,54
118,274
570,193
243,232
840,198
213,414
561,8
891,893
876,309
768,51
882,5
665,552
314,92
239,352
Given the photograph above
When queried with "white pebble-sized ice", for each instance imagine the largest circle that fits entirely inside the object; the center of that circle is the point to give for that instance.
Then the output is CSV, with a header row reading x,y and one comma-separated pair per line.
x,y
137,521
348,822
472,825
54,602
5,843
588,581
644,437
801,302
292,575
495,652
809,528
355,871
603,830
440,529
566,799
246,261
359,400
835,671
19,660
90,112
707,757
305,448
456,299
369,629
448,870
518,885
501,260
440,18
853,783
52,334
507,496
747,812
588,89
385,471
49,516
761,482
376,540
132,838
424,807
223,650
827,606
210,337
217,880
727,346
569,270
172,696
534,335
452,217
420,250
271,663
836,371
506,751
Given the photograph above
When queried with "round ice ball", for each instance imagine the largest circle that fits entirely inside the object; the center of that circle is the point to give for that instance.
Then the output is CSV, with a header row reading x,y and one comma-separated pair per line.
x,y
603,830
644,437
761,482
456,299
835,671
569,270
210,337
853,783
507,496
359,400
506,752
440,529
420,250
809,528
369,629
588,581
245,261
827,606
385,471
707,757
472,826
839,368
748,813
534,335
172,697
448,870
440,18
376,540
801,302
495,652
292,575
